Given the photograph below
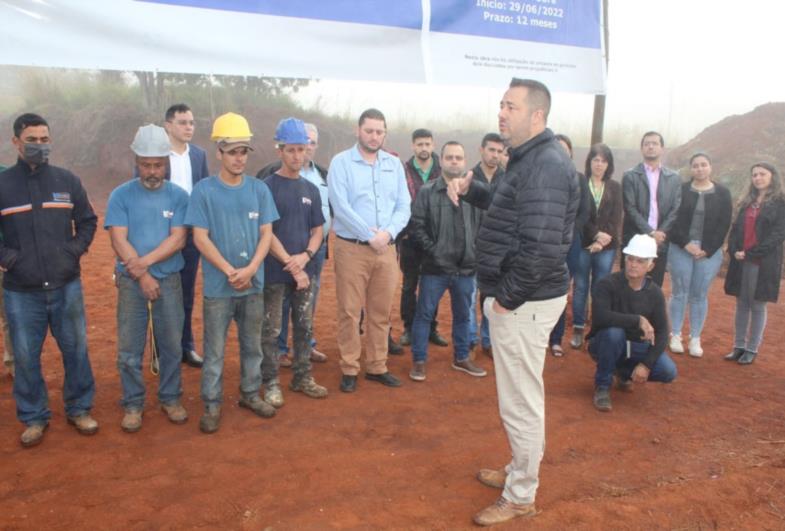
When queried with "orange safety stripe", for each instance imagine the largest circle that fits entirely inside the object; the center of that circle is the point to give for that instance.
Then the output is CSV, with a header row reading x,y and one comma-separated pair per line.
x,y
16,210
51,204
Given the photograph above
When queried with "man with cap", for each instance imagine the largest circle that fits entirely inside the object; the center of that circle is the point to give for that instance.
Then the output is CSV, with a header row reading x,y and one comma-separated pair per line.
x,y
629,325
289,270
47,224
145,218
231,215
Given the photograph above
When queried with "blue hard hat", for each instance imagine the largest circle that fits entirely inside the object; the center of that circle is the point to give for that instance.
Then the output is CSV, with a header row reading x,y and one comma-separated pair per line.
x,y
291,131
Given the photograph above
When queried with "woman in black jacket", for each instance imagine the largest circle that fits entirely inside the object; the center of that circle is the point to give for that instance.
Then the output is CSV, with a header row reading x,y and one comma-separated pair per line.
x,y
695,250
755,268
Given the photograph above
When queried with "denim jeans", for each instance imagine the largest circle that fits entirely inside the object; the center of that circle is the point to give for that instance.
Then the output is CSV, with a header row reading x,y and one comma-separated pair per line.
x,y
168,315
599,266
485,333
572,264
690,282
247,312
188,280
302,321
432,287
30,315
283,337
751,315
609,349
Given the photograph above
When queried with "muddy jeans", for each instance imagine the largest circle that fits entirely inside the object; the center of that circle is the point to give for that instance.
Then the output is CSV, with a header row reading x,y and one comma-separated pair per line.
x,y
301,303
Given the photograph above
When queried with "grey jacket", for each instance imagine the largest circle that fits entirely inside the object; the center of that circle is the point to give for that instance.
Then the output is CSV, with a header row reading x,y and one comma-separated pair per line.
x,y
635,192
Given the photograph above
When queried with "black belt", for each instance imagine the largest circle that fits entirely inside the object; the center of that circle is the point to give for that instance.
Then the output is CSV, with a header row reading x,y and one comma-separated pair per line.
x,y
360,242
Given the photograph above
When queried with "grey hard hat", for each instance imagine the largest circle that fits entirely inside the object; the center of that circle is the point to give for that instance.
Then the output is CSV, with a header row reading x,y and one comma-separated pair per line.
x,y
151,141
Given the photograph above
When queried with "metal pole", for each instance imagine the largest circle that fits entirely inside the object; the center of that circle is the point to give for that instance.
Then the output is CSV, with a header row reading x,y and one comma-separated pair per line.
x,y
598,121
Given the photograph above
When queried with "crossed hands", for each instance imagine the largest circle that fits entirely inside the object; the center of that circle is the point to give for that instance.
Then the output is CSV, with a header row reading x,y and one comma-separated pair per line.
x,y
241,278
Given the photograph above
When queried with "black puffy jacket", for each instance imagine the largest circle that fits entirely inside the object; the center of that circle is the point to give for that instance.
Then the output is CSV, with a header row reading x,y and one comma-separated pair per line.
x,y
47,224
524,238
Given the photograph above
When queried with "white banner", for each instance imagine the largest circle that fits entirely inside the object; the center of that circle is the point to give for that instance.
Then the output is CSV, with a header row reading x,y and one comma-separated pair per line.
x,y
466,42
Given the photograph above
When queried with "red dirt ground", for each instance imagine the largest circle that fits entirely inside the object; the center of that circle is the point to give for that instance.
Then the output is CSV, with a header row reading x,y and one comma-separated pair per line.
x,y
706,452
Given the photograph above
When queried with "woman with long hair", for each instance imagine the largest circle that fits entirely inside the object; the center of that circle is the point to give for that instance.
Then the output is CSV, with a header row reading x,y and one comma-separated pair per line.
x,y
600,234
755,268
695,253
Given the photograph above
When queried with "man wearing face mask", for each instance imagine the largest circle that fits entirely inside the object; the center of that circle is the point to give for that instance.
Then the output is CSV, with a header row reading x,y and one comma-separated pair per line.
x,y
47,224
145,218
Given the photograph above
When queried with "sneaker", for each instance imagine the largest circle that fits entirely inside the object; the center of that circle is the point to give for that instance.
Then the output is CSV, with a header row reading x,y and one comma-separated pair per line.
x,y
492,478
308,387
469,368
273,395
132,421
557,351
318,357
284,360
675,345
418,371
33,435
602,399
577,337
696,351
503,511
175,412
258,406
84,424
406,338
210,421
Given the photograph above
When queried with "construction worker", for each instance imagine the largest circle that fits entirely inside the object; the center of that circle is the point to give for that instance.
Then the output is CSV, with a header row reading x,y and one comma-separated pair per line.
x,y
145,219
231,215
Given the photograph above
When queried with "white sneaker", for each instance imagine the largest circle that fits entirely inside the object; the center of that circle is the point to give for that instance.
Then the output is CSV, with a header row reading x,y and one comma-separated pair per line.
x,y
675,345
695,347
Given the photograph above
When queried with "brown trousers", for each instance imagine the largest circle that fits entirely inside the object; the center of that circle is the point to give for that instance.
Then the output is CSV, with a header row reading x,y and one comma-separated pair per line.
x,y
364,279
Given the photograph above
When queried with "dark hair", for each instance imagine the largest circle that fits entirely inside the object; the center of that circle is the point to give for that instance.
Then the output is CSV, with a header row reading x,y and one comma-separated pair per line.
x,y
372,114
491,137
421,133
775,188
605,152
699,154
538,95
26,120
653,133
174,109
451,143
566,140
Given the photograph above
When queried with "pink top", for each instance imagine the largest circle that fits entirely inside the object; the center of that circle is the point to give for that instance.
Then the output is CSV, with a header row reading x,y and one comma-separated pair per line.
x,y
653,175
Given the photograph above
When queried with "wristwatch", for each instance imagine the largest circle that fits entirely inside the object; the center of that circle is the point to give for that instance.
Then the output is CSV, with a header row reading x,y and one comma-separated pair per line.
x,y
309,253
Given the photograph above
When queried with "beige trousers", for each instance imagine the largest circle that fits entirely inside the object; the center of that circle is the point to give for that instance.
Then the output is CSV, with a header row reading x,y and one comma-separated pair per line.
x,y
520,340
364,279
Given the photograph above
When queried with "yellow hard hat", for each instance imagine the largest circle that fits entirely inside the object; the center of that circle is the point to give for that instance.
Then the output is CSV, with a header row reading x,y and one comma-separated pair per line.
x,y
231,127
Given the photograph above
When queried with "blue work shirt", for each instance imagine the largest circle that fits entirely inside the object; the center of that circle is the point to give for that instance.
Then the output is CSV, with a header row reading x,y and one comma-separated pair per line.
x,y
300,210
365,196
149,216
312,174
233,217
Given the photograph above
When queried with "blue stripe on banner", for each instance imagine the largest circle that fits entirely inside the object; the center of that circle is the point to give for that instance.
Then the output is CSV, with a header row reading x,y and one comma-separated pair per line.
x,y
567,22
394,13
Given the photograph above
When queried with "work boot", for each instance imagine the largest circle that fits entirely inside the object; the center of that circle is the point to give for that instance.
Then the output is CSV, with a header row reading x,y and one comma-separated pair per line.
x,y
84,424
437,339
577,337
258,406
175,412
492,478
273,395
132,421
602,399
210,420
503,511
418,371
308,387
33,435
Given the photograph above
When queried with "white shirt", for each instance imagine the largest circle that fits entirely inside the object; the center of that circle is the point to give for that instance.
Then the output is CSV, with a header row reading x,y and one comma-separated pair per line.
x,y
180,169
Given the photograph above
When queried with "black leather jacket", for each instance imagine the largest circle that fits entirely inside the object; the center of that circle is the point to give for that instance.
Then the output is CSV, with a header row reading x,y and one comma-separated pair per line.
x,y
635,191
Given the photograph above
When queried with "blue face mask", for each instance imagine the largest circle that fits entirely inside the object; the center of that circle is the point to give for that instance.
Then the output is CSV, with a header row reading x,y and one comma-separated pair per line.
x,y
37,153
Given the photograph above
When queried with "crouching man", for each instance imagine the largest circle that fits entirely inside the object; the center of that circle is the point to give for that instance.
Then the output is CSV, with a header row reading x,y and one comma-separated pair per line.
x,y
145,218
629,325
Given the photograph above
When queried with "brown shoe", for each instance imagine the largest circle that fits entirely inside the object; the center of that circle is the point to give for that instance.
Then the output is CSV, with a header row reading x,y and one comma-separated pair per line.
x,y
132,421
492,478
318,357
284,360
175,412
258,406
503,511
469,367
84,424
308,387
33,435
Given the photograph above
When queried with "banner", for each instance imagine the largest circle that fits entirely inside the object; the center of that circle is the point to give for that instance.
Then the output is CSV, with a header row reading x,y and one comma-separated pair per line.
x,y
464,42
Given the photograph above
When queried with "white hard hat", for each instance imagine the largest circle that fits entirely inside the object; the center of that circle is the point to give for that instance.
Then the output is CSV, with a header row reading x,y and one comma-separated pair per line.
x,y
151,141
642,246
